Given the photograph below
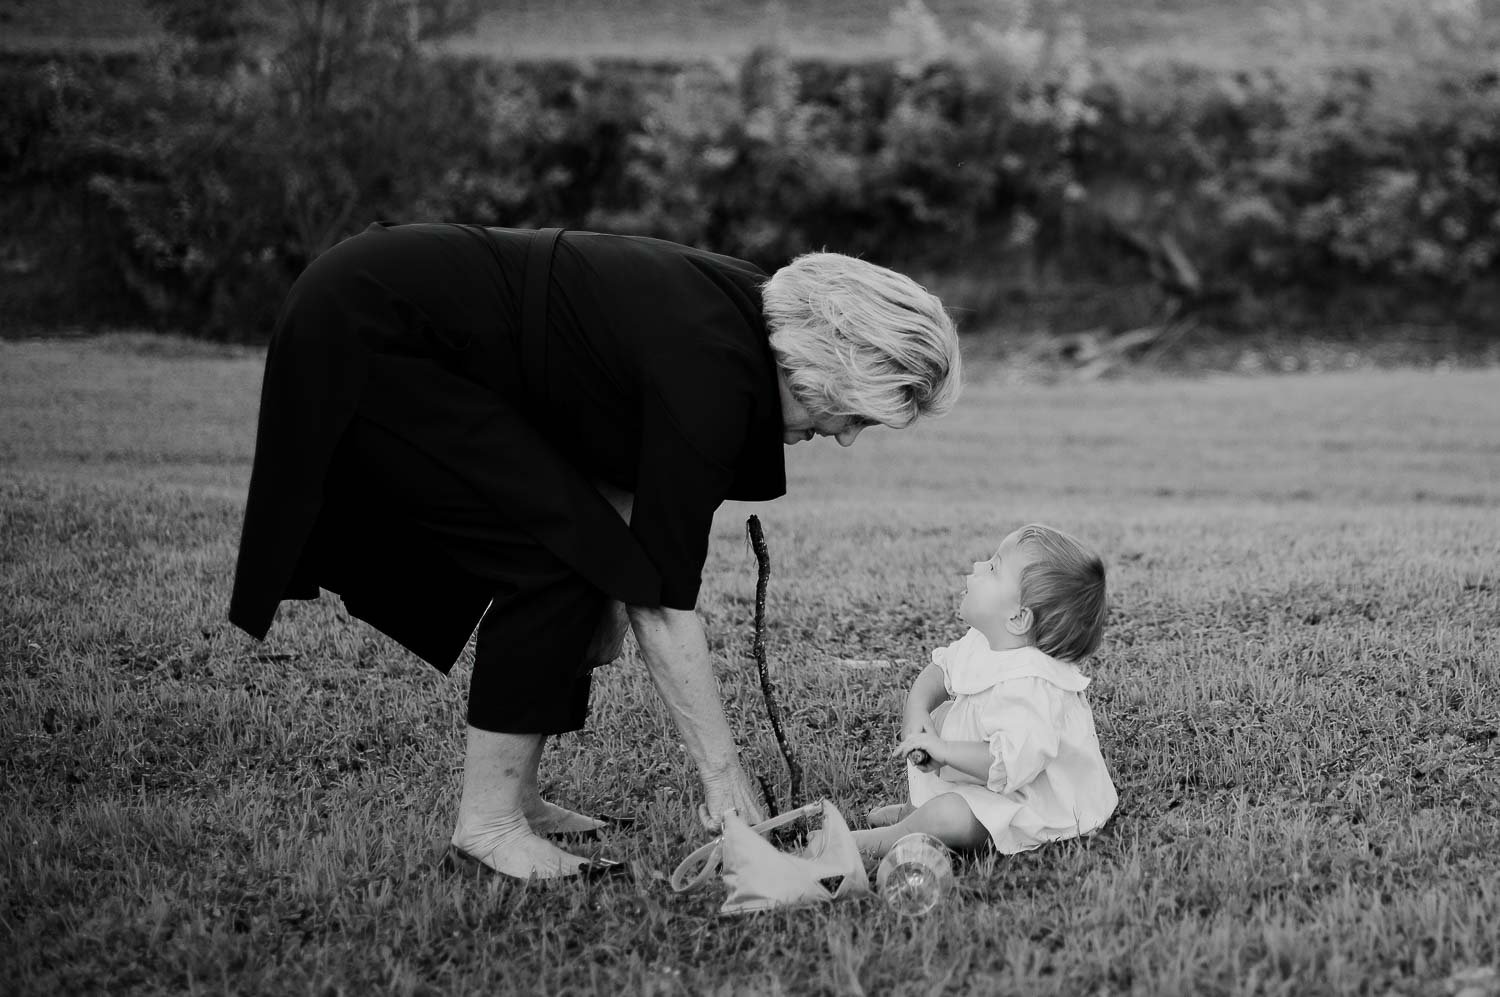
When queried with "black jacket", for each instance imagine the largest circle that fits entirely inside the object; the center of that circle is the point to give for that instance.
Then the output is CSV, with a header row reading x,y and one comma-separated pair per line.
x,y
657,377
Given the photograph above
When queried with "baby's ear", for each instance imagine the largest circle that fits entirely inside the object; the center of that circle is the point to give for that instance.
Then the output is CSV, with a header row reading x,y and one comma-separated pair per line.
x,y
1019,623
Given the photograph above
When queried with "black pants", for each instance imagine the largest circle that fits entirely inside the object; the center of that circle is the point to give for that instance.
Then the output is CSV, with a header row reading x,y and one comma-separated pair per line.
x,y
530,673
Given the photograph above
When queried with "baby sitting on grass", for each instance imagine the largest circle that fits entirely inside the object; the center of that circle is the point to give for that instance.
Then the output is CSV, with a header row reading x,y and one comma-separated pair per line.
x,y
998,737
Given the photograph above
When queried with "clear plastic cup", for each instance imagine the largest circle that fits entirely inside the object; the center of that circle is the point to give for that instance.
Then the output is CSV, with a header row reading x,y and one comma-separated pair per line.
x,y
915,875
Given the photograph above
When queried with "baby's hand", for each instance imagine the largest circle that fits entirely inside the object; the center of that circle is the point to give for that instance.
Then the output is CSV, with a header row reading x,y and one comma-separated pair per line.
x,y
924,749
915,726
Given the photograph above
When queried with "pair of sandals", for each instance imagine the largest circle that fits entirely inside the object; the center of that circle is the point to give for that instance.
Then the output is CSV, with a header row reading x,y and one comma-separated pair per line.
x,y
456,860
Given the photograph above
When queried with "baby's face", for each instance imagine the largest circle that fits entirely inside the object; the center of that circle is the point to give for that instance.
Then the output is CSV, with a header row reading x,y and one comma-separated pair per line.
x,y
993,588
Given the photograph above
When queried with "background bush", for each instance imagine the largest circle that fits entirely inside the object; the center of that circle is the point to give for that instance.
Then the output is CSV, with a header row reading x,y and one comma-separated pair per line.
x,y
188,186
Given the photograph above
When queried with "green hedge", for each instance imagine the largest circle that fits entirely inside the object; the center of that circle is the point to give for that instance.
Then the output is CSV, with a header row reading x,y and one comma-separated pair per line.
x,y
188,191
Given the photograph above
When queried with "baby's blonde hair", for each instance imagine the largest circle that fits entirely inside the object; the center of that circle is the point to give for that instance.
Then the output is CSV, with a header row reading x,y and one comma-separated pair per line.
x,y
1064,588
856,339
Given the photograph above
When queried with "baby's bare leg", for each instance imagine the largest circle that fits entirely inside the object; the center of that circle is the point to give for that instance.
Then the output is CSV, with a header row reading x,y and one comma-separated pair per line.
x,y
947,818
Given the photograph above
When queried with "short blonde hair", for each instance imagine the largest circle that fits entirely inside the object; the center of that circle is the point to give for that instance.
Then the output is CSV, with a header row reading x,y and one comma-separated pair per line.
x,y
859,340
1064,588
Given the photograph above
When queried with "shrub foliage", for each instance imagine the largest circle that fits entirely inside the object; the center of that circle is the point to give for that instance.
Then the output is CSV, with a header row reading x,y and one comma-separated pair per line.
x,y
208,172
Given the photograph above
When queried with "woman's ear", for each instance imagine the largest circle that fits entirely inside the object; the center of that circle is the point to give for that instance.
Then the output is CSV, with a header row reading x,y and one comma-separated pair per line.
x,y
1018,624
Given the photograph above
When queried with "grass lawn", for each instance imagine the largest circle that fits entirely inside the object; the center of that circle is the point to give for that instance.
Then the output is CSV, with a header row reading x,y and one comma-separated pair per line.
x,y
1215,32
1299,697
529,28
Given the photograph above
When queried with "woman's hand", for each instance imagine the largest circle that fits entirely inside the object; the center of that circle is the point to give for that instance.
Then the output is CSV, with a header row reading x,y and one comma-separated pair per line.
x,y
729,792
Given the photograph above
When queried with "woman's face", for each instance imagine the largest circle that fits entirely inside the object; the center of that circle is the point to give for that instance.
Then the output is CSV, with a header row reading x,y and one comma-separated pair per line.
x,y
843,428
799,424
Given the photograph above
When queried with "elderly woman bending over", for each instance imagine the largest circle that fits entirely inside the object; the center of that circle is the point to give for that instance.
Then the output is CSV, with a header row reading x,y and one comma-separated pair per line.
x,y
530,432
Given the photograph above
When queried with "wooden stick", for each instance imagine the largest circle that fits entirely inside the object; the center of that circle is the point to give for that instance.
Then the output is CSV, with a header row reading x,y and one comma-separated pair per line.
x,y
758,648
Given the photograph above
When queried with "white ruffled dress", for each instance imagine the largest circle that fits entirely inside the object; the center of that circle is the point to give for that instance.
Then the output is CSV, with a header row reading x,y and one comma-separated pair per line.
x,y
1030,707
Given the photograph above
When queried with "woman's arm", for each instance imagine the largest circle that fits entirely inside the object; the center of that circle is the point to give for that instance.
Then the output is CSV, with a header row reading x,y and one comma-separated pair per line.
x,y
676,652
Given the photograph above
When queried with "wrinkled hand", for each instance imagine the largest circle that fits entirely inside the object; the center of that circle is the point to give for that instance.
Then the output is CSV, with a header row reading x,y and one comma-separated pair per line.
x,y
609,635
927,742
730,791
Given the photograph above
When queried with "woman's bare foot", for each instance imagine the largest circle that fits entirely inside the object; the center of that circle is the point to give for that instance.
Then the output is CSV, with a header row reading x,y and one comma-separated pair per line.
x,y
890,814
548,818
511,847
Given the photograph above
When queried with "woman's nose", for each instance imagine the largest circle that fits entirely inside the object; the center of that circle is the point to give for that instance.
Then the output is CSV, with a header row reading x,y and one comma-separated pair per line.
x,y
846,437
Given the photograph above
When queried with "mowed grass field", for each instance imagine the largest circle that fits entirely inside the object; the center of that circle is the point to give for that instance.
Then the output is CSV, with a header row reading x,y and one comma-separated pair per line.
x,y
1299,697
1216,32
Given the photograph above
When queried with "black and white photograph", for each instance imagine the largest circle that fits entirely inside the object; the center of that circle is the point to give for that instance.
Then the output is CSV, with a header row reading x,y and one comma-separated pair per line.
x,y
752,499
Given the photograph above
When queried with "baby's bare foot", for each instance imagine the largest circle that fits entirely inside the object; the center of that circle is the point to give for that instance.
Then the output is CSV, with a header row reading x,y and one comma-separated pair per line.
x,y
892,813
